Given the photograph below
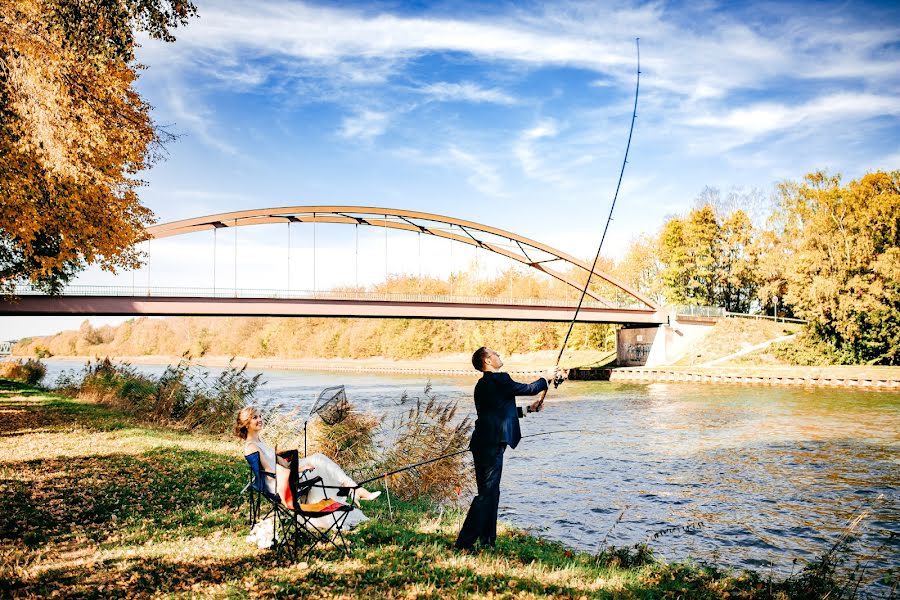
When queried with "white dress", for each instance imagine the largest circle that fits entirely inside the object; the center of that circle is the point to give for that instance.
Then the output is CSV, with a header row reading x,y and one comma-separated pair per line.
x,y
332,475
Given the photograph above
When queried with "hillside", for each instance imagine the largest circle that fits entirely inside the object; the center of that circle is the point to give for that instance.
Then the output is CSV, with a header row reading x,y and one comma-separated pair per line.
x,y
309,338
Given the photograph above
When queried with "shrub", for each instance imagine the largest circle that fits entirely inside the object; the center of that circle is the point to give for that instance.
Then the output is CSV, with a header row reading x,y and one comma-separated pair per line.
x,y
426,431
28,371
807,351
116,384
350,441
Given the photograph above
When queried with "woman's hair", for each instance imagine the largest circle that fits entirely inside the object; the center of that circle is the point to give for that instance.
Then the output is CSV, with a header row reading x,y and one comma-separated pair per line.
x,y
243,419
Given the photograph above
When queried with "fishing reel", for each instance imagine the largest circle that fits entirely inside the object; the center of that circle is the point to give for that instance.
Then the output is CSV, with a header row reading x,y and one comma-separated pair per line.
x,y
558,379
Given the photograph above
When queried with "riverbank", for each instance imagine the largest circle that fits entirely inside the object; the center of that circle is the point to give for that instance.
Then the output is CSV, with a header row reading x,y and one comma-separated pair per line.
x,y
877,378
97,504
448,364
594,365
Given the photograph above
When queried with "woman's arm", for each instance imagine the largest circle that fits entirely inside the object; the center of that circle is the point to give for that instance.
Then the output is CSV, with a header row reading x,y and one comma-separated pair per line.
x,y
250,448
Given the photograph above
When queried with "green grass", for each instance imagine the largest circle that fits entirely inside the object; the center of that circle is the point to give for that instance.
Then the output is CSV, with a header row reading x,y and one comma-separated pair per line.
x,y
95,504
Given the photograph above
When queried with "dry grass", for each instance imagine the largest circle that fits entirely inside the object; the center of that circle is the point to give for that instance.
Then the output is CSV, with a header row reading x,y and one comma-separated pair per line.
x,y
729,336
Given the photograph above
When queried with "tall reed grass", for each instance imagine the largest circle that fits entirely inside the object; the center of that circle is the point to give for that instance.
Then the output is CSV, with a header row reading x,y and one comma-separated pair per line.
x,y
366,446
185,395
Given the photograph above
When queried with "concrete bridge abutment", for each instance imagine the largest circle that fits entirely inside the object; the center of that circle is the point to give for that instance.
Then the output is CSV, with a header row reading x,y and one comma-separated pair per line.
x,y
658,345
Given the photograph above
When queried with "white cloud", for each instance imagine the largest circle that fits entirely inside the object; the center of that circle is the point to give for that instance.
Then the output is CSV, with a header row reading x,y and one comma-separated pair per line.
x,y
365,125
527,153
480,172
197,119
466,92
763,118
482,176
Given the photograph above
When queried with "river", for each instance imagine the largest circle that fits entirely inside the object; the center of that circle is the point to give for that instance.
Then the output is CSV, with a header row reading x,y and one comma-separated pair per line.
x,y
769,474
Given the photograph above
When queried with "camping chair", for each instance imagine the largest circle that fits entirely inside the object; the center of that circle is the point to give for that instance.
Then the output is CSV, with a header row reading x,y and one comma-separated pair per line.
x,y
322,521
283,522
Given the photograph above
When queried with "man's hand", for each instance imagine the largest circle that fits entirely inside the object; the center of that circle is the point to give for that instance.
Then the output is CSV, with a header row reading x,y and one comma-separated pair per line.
x,y
555,375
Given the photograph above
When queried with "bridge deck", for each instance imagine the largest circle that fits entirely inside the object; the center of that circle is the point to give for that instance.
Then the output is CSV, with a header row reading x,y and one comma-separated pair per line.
x,y
315,307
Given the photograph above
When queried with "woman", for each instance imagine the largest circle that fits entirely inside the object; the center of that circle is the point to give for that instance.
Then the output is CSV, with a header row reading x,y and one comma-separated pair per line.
x,y
249,424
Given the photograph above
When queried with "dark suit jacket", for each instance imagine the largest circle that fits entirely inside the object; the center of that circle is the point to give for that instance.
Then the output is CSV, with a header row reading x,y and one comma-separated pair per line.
x,y
495,403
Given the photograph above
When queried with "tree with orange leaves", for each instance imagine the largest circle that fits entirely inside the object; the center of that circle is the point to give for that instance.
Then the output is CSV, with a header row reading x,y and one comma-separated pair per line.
x,y
74,134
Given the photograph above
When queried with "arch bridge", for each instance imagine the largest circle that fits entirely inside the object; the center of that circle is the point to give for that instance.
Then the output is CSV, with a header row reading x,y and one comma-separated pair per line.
x,y
608,300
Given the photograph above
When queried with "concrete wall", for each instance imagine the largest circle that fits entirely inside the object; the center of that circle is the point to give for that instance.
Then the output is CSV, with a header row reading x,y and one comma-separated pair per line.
x,y
663,345
634,345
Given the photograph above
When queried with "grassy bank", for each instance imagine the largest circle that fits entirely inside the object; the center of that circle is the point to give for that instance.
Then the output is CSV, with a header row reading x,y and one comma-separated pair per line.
x,y
96,504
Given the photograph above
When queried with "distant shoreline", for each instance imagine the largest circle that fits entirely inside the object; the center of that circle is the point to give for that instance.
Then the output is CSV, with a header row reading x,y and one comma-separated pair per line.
x,y
451,364
458,365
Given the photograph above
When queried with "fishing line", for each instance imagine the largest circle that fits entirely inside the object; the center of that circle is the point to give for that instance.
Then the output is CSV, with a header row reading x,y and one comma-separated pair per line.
x,y
637,88
458,452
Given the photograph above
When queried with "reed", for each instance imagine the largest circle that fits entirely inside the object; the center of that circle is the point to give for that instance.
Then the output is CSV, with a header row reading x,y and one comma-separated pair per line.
x,y
427,430
184,396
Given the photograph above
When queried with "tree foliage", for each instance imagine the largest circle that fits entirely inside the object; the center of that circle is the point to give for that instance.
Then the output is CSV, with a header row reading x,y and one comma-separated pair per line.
x,y
74,133
709,259
844,269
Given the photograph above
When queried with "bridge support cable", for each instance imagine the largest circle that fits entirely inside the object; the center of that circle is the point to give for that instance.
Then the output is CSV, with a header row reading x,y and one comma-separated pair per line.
x,y
215,247
235,259
314,254
451,261
385,251
289,260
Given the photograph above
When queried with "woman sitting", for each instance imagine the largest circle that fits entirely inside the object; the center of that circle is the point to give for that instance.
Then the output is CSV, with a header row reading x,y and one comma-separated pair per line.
x,y
249,425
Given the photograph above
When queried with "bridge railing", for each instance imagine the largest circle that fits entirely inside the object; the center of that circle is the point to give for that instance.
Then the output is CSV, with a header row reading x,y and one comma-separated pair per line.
x,y
720,312
245,293
766,318
699,311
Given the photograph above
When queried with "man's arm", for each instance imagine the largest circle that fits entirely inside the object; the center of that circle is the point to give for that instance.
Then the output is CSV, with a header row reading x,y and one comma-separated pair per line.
x,y
523,389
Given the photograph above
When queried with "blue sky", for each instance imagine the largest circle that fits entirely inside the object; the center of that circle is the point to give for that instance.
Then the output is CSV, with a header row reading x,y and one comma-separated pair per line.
x,y
513,114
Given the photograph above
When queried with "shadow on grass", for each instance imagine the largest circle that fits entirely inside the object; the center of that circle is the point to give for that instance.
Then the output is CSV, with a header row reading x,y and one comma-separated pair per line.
x,y
28,410
50,501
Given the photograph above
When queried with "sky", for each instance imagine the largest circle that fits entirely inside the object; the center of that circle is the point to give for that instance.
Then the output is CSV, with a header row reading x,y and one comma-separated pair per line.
x,y
515,115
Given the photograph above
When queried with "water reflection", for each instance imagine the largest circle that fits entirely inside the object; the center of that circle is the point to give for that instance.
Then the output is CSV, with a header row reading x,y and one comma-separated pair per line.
x,y
772,473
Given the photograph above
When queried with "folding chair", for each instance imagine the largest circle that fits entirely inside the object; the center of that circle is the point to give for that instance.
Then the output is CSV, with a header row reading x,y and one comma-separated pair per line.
x,y
293,488
284,523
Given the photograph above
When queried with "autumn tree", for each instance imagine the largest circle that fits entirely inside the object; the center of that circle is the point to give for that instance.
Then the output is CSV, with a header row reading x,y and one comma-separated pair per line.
x,y
641,268
709,258
843,274
74,134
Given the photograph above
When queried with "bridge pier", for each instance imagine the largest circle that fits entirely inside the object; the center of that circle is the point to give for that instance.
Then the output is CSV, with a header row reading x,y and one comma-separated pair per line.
x,y
658,345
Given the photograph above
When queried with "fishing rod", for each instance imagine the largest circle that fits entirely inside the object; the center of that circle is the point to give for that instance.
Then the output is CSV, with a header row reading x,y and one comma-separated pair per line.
x,y
637,89
458,452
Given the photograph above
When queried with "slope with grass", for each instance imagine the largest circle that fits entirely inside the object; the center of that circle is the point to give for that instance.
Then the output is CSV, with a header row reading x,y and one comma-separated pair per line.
x,y
730,337
97,504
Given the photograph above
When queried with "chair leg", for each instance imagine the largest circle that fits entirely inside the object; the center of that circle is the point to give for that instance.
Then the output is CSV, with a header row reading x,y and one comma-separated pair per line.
x,y
325,537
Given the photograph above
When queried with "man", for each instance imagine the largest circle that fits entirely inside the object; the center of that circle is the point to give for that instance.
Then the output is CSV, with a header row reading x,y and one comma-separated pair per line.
x,y
496,427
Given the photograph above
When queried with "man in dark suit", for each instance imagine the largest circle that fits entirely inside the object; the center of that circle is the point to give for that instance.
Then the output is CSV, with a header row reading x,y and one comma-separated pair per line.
x,y
496,427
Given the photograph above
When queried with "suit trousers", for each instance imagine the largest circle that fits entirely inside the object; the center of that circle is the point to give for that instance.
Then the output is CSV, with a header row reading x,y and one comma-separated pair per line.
x,y
481,521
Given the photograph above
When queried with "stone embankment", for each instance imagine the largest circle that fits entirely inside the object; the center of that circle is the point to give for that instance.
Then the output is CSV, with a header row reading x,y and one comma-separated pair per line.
x,y
885,378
